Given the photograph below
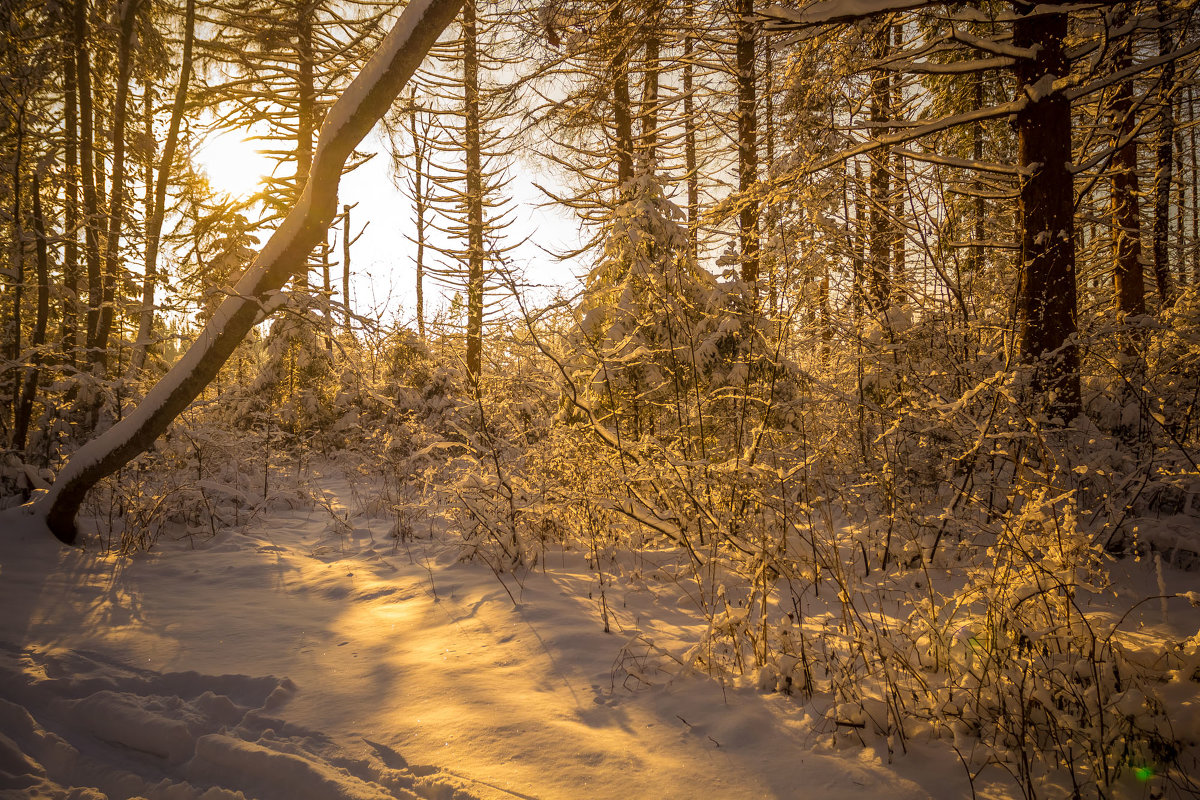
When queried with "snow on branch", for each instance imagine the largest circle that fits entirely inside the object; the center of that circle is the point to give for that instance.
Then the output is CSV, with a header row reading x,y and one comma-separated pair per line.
x,y
960,163
832,12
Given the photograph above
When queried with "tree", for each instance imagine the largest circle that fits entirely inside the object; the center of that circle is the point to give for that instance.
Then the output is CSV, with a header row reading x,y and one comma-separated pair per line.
x,y
157,210
285,254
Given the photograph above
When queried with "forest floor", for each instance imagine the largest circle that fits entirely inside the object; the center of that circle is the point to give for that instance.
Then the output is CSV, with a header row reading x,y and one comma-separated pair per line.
x,y
307,653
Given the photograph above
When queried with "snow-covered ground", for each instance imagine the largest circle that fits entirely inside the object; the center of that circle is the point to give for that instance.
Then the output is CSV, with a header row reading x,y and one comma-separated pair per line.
x,y
311,655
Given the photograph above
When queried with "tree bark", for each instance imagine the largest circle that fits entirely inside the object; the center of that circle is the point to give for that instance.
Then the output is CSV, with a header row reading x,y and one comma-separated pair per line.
x,y
689,138
346,265
747,139
474,197
650,84
16,271
1128,275
257,292
87,168
306,120
70,302
622,116
42,315
1166,161
881,183
1047,298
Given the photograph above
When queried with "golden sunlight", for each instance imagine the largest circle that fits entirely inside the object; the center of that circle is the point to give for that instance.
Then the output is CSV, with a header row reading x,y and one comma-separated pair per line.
x,y
233,164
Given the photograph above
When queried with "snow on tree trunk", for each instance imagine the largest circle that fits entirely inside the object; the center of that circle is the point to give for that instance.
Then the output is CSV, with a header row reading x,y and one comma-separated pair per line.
x,y
258,291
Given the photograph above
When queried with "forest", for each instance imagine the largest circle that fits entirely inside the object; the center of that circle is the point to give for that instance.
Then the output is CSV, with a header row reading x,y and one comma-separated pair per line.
x,y
857,418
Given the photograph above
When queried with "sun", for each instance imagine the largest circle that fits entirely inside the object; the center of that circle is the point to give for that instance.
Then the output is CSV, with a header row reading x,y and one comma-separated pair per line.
x,y
233,164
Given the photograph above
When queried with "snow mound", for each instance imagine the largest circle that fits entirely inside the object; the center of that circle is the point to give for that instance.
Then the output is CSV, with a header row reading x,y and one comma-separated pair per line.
x,y
76,727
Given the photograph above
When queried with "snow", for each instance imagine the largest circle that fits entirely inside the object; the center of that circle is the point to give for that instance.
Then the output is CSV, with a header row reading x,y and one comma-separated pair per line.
x,y
830,11
312,656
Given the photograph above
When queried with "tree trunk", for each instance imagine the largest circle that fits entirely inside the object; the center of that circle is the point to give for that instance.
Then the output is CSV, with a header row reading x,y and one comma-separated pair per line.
x,y
29,393
747,139
622,117
689,139
1166,161
327,295
70,302
419,201
158,211
87,122
896,285
881,183
346,266
474,198
16,272
1194,156
1128,275
116,199
975,258
650,80
257,292
306,121
1047,299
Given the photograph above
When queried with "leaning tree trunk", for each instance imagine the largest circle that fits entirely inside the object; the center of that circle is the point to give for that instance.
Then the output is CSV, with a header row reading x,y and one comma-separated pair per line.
x,y
1047,301
258,291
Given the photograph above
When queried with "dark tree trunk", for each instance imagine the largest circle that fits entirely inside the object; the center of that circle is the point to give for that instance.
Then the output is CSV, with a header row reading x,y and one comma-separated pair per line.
x,y
689,139
474,198
881,184
975,262
747,139
650,80
87,168
70,303
622,116
32,372
1128,275
1047,300
1166,161
306,115
16,272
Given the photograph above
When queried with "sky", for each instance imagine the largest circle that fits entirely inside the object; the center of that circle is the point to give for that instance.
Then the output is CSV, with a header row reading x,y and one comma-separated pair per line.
x,y
383,260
